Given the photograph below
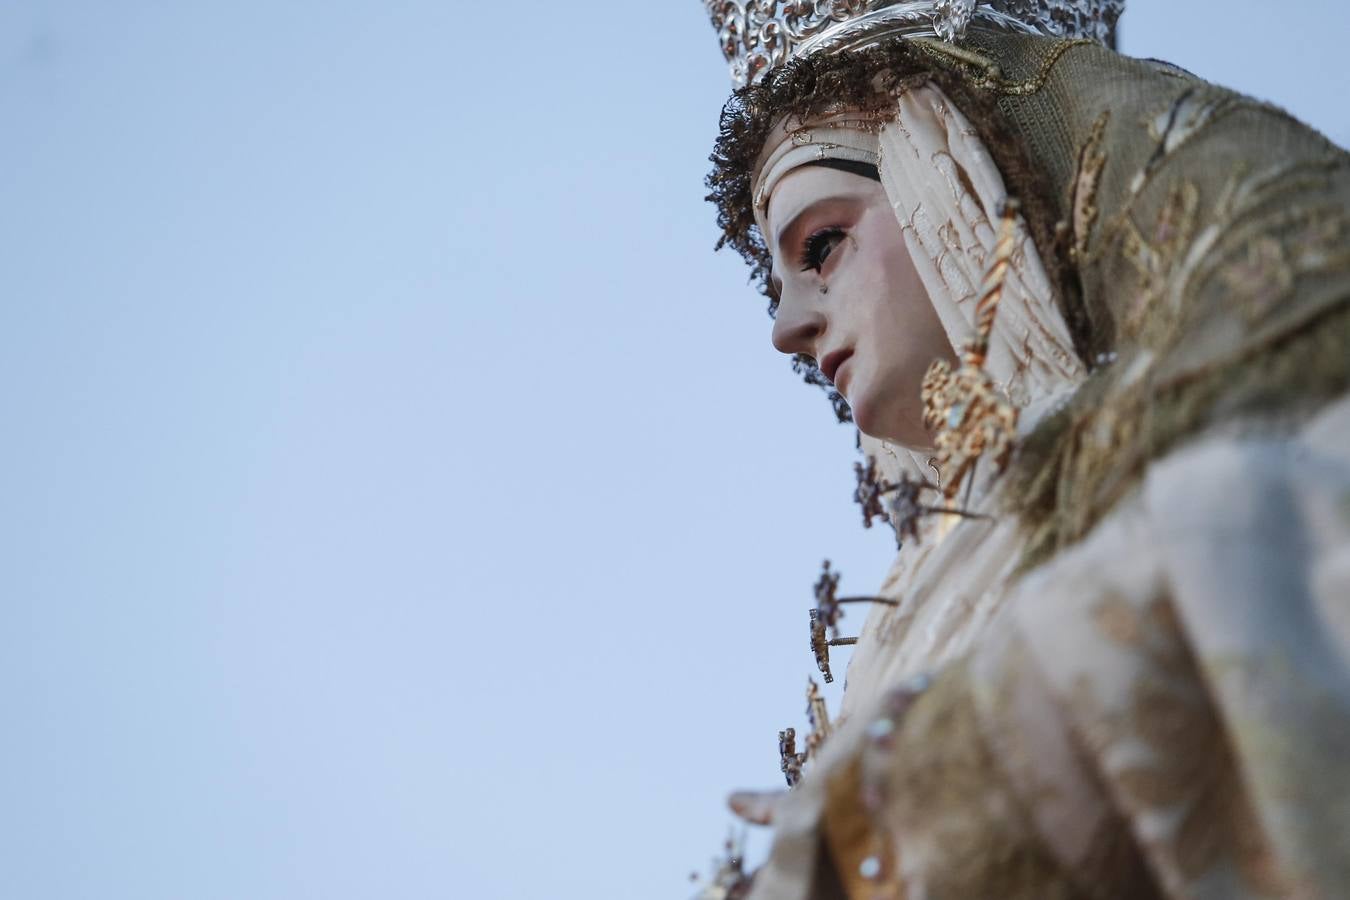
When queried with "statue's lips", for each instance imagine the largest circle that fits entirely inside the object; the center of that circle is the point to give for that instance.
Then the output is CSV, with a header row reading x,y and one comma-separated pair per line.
x,y
831,363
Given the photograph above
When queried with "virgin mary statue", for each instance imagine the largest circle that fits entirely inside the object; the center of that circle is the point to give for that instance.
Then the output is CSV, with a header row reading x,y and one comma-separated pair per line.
x,y
1091,317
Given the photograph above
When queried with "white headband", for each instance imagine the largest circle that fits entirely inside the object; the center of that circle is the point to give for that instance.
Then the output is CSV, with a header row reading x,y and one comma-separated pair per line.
x,y
850,135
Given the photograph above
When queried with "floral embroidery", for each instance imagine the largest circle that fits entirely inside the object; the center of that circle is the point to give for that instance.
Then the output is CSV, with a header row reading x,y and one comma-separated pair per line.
x,y
1157,256
1091,163
1260,280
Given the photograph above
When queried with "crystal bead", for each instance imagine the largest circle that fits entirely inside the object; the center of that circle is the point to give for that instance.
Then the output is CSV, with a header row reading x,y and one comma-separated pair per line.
x,y
881,730
955,415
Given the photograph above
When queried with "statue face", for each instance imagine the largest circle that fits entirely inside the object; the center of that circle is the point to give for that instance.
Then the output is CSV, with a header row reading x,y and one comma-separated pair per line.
x,y
851,299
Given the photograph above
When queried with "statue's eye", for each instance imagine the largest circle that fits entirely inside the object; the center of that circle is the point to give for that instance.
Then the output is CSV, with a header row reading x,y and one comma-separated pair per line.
x,y
819,246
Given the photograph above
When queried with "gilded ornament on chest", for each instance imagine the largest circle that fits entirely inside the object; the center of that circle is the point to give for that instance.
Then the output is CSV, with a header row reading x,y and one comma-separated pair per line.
x,y
968,414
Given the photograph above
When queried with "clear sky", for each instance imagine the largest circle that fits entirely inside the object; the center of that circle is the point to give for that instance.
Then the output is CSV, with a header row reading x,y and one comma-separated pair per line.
x,y
400,499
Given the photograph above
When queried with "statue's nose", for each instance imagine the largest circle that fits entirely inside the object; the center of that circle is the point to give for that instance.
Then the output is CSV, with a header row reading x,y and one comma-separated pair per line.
x,y
797,327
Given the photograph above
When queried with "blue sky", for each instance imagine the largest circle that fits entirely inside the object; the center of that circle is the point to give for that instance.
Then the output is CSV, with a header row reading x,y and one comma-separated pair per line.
x,y
402,500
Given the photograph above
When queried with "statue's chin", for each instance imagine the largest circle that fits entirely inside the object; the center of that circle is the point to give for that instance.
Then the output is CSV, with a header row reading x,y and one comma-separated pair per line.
x,y
891,422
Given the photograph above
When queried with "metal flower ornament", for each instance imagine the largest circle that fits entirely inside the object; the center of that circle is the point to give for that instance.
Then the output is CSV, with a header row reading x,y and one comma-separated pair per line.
x,y
730,881
905,507
829,610
870,491
789,760
818,714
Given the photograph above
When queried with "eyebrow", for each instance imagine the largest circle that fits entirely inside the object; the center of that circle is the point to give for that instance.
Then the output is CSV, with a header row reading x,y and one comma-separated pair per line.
x,y
796,219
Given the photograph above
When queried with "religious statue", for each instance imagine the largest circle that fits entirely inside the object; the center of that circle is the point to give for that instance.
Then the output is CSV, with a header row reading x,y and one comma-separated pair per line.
x,y
1091,317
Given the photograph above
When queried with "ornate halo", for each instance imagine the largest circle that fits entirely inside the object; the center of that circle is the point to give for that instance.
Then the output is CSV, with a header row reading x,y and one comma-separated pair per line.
x,y
757,35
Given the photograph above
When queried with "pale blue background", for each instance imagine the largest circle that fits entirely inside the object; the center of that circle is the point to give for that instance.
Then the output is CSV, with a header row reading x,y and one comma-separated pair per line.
x,y
399,497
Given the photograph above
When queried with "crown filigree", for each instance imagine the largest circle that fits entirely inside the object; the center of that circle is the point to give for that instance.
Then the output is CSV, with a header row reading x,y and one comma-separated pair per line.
x,y
757,35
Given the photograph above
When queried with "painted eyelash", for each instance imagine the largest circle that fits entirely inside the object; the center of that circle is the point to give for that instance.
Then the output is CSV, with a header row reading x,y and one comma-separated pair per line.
x,y
819,246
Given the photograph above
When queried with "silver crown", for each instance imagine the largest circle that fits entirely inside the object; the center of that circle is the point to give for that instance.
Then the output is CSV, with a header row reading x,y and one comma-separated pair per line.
x,y
757,35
